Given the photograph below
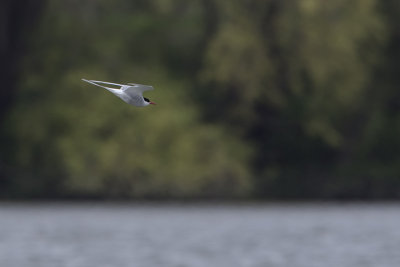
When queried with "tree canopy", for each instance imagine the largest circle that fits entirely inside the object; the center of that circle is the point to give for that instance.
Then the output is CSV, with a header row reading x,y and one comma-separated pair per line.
x,y
271,99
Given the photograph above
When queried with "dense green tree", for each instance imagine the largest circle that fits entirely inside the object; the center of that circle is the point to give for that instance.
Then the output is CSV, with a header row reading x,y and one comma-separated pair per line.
x,y
293,78
267,98
74,139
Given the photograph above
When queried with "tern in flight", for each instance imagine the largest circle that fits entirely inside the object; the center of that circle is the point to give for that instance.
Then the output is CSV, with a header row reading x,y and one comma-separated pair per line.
x,y
131,93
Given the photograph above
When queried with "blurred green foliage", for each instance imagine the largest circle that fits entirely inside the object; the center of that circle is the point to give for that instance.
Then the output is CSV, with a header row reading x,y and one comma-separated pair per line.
x,y
257,98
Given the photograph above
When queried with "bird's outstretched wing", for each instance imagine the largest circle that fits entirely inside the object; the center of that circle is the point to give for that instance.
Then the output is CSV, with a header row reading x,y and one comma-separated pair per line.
x,y
101,84
135,89
130,88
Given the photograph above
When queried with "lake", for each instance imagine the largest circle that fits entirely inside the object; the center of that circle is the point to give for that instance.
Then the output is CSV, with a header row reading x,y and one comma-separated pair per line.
x,y
199,235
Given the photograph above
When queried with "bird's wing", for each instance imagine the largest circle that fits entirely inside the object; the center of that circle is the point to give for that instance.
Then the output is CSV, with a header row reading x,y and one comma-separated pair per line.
x,y
98,83
136,89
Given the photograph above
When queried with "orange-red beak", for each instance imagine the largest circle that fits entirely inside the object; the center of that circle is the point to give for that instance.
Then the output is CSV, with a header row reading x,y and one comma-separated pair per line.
x,y
152,103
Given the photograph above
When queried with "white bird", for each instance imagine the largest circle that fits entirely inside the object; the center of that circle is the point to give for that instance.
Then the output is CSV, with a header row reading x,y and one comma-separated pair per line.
x,y
131,93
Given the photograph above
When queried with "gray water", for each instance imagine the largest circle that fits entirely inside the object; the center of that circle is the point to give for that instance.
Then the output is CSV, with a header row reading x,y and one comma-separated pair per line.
x,y
112,235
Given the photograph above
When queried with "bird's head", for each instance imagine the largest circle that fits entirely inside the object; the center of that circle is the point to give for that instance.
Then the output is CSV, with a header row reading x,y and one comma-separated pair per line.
x,y
148,101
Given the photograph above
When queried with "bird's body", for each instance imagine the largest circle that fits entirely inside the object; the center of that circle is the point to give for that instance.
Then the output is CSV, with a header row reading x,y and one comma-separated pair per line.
x,y
131,93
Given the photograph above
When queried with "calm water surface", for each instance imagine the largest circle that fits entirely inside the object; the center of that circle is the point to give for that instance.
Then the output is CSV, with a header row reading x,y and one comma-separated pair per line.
x,y
112,235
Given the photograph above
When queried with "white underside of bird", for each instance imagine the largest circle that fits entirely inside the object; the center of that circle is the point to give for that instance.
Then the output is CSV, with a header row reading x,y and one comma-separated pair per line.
x,y
131,93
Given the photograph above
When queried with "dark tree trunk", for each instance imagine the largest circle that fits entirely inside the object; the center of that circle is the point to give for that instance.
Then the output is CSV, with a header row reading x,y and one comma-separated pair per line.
x,y
17,20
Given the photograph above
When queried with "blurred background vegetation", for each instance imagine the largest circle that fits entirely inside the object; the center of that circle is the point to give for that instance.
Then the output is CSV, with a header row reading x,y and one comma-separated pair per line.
x,y
256,99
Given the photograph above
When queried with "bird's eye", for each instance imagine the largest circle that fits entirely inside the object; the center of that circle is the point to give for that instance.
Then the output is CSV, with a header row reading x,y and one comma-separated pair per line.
x,y
146,99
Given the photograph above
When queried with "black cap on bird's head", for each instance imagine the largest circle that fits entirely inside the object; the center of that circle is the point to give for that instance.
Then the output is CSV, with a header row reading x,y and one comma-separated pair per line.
x,y
148,101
